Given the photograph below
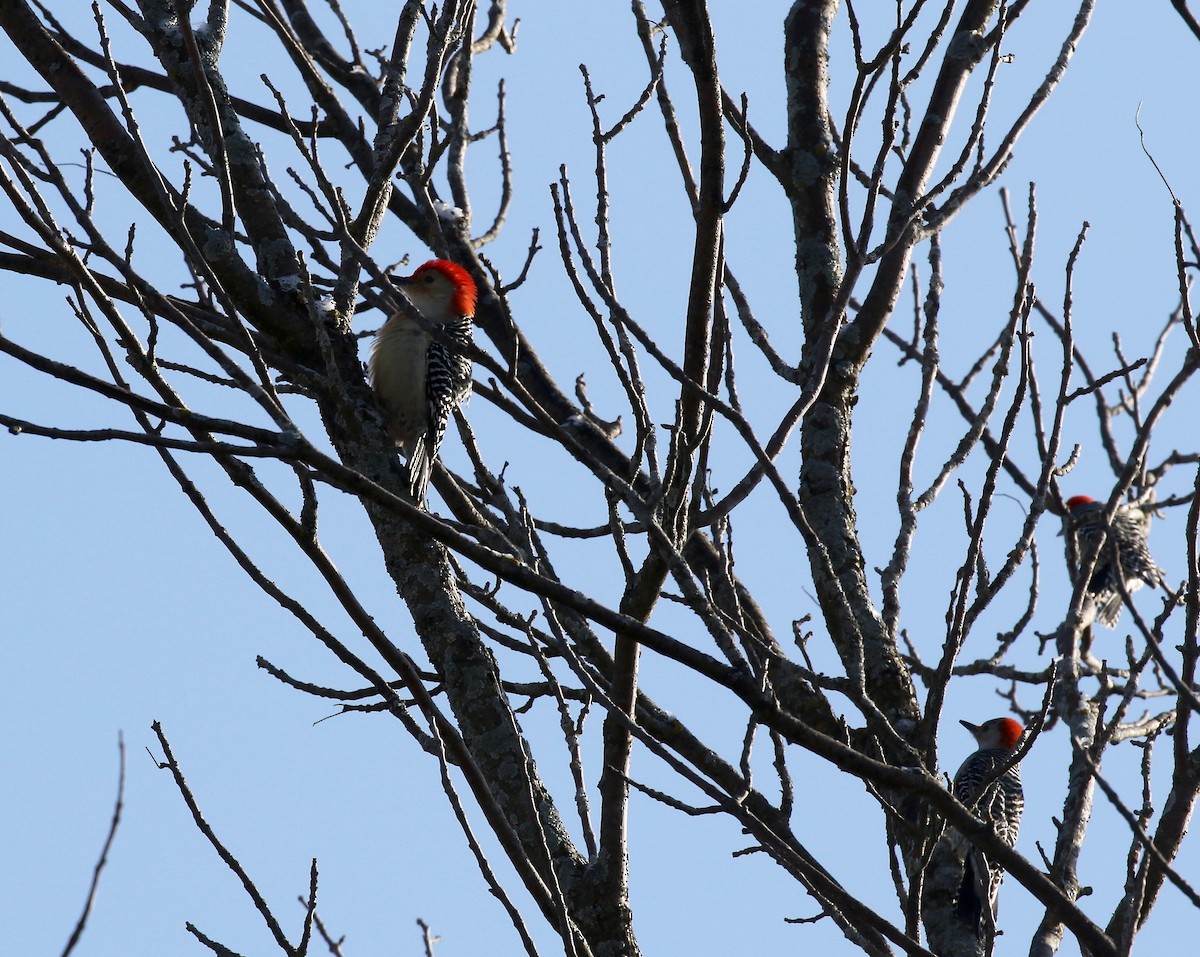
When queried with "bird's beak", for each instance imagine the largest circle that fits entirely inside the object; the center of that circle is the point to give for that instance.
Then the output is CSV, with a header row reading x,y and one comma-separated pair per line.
x,y
970,727
403,280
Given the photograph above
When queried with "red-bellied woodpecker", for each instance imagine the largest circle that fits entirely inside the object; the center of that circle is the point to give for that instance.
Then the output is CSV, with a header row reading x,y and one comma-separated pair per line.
x,y
422,371
1124,553
998,803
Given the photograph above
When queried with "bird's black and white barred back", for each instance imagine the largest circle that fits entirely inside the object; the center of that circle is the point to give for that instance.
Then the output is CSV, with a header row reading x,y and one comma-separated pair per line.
x,y
1000,802
1125,553
447,385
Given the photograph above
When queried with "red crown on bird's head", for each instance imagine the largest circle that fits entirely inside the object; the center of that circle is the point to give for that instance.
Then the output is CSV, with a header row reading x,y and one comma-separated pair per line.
x,y
1076,500
1010,732
465,294
1003,733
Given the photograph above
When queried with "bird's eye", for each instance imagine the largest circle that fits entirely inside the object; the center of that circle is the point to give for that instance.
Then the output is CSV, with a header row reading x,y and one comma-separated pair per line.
x,y
428,278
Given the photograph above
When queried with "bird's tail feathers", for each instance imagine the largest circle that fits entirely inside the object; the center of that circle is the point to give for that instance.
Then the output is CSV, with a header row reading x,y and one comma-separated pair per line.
x,y
976,895
420,466
1108,610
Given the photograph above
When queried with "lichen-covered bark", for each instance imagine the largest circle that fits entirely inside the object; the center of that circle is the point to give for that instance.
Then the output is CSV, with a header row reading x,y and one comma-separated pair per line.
x,y
826,478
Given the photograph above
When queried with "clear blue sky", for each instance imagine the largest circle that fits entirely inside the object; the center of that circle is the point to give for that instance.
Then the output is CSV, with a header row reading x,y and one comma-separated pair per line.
x,y
119,607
